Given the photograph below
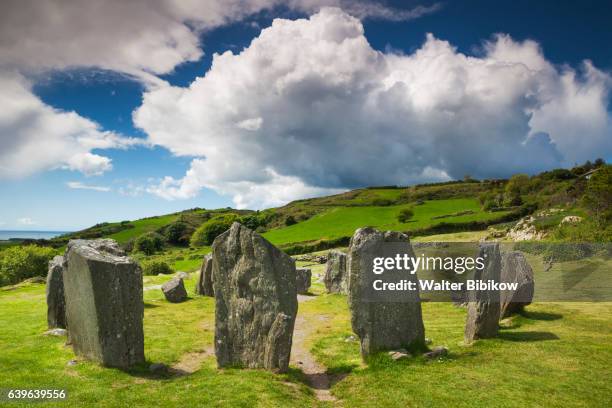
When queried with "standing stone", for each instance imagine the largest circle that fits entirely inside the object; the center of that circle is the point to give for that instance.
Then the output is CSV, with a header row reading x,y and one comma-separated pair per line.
x,y
335,272
104,306
256,301
204,285
383,322
174,290
56,305
303,280
483,305
515,269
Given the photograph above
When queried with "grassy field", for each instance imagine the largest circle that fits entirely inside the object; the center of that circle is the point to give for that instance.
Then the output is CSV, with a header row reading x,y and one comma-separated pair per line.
x,y
343,221
556,354
142,226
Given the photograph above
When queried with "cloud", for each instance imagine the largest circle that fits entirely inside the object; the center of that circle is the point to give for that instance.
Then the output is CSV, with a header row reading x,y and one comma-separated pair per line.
x,y
141,38
333,113
36,137
26,221
77,185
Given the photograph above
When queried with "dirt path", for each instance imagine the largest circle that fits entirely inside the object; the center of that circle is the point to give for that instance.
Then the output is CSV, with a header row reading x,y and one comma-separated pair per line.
x,y
315,373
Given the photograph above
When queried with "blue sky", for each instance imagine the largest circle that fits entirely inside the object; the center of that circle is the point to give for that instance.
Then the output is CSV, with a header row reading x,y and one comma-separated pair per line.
x,y
106,91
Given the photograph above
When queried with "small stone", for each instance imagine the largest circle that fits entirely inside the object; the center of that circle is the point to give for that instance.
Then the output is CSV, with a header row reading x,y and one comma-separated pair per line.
x,y
56,332
436,352
303,279
335,272
71,363
174,290
350,339
428,340
56,303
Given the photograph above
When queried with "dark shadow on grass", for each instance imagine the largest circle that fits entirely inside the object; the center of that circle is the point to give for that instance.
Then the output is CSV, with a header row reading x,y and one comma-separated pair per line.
x,y
149,305
541,315
527,336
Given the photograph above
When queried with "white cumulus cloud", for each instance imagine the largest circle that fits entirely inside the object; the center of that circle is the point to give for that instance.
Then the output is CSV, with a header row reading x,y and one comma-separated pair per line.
x,y
333,113
26,221
36,137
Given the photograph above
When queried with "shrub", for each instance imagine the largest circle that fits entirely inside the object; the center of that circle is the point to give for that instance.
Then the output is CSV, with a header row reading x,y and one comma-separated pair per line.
x,y
382,202
149,243
405,214
155,268
598,195
178,233
290,220
211,229
23,262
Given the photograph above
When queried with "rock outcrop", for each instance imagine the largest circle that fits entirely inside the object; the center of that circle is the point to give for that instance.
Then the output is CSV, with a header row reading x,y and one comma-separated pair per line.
x,y
174,290
483,305
381,321
335,272
56,304
303,280
515,268
204,284
256,301
104,305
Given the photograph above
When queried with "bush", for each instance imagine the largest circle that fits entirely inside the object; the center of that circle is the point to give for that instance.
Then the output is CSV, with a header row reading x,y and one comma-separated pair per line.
x,y
405,215
290,220
211,229
155,268
149,243
598,195
23,262
178,233
382,202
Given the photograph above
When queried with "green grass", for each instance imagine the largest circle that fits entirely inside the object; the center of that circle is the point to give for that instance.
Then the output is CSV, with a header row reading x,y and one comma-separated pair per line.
x,y
556,354
343,221
142,226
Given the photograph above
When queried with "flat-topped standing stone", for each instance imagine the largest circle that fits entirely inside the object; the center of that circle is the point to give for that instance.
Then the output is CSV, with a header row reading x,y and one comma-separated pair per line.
x,y
385,322
256,301
335,272
303,280
104,306
56,305
174,290
483,305
515,268
204,285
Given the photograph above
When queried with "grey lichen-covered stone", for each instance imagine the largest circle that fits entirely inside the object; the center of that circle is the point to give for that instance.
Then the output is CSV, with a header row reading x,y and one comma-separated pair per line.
x,y
303,280
383,324
56,304
256,301
204,285
483,305
515,268
104,306
335,272
174,290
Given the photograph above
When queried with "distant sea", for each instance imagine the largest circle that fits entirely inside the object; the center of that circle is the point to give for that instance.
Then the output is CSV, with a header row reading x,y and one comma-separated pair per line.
x,y
6,235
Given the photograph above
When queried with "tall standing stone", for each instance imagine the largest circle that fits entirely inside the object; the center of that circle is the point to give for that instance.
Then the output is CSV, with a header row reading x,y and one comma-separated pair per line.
x,y
256,301
382,321
483,305
335,272
515,269
204,285
56,305
104,305
303,280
